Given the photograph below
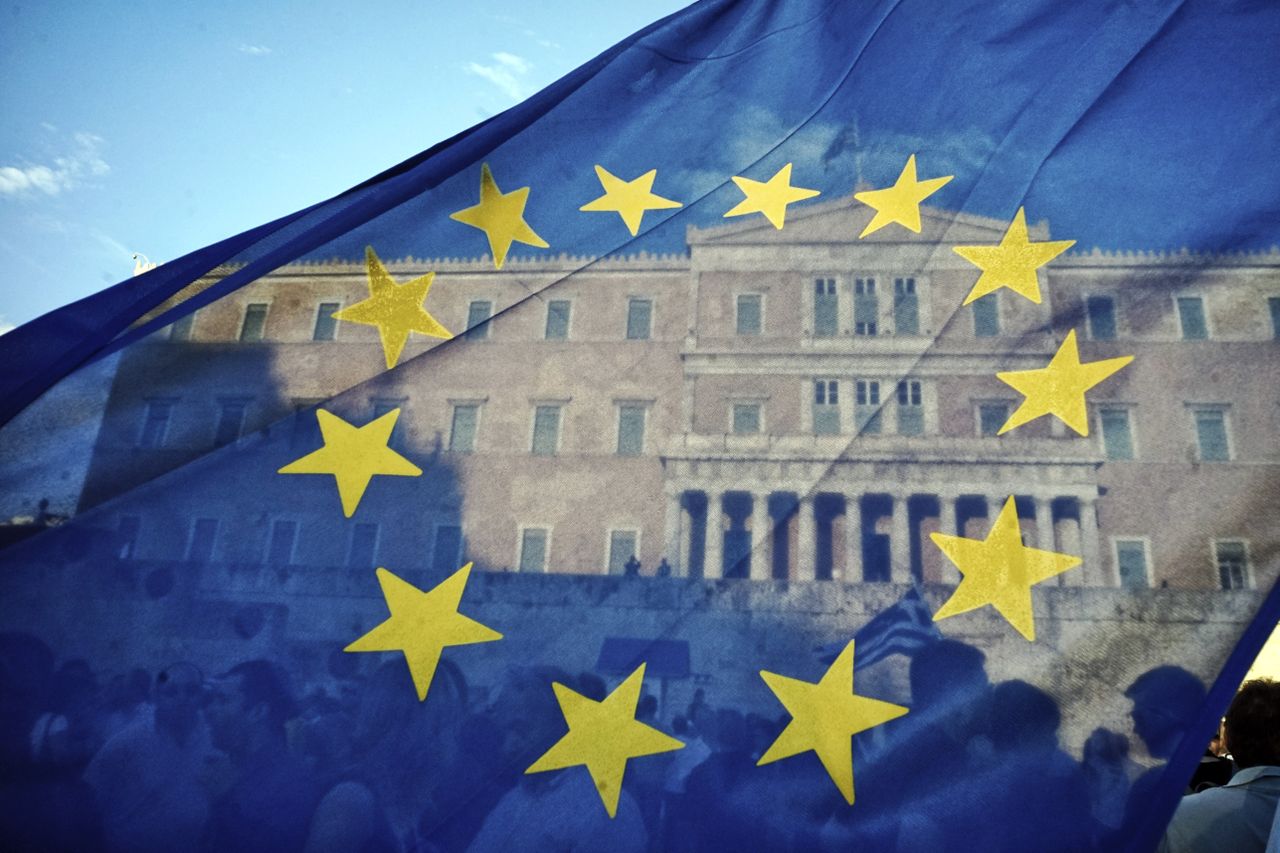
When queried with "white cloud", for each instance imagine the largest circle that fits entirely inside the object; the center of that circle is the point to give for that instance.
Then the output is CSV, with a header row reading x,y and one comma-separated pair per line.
x,y
515,63
65,173
505,73
5,325
254,49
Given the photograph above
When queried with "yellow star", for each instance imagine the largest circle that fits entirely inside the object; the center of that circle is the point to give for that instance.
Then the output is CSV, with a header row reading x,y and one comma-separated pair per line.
x,y
422,624
395,309
353,455
603,736
771,197
1013,263
629,199
900,203
825,716
999,571
1059,388
500,216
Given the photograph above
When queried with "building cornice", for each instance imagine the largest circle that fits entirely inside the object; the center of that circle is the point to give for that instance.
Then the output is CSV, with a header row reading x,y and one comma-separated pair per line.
x,y
410,265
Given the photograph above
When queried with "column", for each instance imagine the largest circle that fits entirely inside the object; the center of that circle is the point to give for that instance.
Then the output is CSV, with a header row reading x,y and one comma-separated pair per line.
x,y
761,537
806,539
1094,574
1074,544
852,538
947,525
1044,523
672,534
900,541
713,554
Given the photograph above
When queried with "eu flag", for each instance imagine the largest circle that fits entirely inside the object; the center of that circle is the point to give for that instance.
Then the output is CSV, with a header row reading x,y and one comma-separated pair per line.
x,y
501,501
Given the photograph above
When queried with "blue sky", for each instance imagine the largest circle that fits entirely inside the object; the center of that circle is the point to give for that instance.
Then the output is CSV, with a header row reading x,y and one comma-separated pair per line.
x,y
160,127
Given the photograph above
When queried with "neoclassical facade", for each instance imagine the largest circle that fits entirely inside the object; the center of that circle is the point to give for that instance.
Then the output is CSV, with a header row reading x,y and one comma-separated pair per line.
x,y
794,404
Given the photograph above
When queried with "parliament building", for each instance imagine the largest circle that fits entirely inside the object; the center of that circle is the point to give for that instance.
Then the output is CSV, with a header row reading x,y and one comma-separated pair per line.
x,y
771,404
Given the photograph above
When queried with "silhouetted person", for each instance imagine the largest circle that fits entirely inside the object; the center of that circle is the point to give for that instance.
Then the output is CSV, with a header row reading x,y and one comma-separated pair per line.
x,y
1109,772
43,803
680,817
148,778
1237,816
664,568
271,798
715,785
558,810
125,700
1038,790
405,755
1215,768
924,775
1166,701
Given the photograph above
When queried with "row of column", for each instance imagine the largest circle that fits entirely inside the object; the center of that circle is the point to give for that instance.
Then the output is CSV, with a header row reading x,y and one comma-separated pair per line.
x,y
680,530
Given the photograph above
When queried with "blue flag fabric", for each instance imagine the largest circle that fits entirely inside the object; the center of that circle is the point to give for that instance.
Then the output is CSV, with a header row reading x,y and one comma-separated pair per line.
x,y
714,350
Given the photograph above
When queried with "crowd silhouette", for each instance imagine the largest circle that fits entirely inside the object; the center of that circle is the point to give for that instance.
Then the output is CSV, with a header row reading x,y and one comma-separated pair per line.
x,y
242,759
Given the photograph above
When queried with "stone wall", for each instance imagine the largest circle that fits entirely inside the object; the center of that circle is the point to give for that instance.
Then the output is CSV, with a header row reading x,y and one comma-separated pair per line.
x,y
1091,642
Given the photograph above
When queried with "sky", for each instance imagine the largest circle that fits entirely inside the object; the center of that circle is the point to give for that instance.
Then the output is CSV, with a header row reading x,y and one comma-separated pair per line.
x,y
161,127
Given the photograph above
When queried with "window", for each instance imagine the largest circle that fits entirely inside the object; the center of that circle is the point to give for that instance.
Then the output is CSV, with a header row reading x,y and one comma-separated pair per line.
x,y
478,313
992,416
906,307
180,329
1131,562
533,549
749,313
1273,302
363,549
825,308
1117,436
284,538
230,421
446,556
204,532
746,418
1233,563
127,536
557,320
1191,318
306,427
462,431
546,430
326,326
866,307
910,408
986,316
826,407
639,319
622,547
630,430
866,406
1211,435
255,322
1101,313
155,426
